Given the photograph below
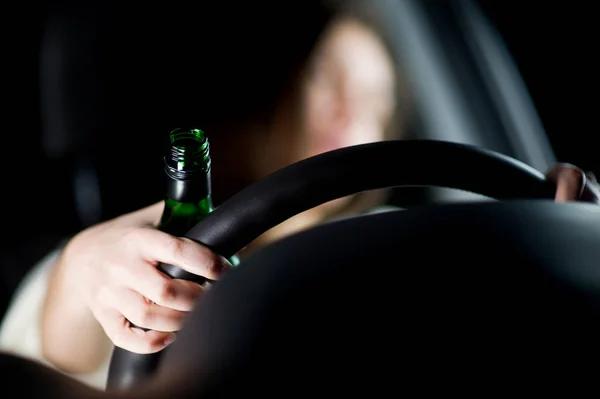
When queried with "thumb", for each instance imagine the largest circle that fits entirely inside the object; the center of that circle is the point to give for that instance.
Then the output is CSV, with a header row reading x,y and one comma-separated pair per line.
x,y
570,181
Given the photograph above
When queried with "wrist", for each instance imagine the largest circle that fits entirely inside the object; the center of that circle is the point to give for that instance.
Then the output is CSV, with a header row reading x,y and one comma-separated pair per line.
x,y
72,339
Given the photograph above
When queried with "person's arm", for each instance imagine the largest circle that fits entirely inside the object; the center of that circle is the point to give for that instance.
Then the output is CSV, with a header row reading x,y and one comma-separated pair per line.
x,y
106,276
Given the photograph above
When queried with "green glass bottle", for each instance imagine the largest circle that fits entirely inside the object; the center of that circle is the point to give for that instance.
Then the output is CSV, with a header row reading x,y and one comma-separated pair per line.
x,y
187,201
188,198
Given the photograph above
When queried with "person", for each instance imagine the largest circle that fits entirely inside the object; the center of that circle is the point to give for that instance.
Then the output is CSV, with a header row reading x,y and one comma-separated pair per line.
x,y
344,91
84,293
349,92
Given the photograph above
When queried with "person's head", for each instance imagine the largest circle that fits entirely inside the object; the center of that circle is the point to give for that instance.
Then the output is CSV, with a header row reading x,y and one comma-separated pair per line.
x,y
346,93
343,93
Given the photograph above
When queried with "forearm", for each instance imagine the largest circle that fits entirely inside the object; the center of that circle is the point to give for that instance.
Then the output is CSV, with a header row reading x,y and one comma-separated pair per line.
x,y
72,339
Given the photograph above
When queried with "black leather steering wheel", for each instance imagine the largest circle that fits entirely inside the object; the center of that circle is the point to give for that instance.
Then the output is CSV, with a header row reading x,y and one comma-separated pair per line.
x,y
336,174
302,186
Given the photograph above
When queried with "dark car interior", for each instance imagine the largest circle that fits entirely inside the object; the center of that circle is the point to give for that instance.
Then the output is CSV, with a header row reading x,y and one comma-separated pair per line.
x,y
461,294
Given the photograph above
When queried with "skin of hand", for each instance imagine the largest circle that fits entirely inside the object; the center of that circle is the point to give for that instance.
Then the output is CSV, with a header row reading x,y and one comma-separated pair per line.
x,y
106,276
570,181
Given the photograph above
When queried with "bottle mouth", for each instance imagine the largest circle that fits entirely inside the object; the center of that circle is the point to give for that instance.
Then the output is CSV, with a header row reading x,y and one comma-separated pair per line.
x,y
188,151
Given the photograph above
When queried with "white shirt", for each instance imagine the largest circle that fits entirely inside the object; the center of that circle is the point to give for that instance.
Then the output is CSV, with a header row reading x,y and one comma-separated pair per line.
x,y
20,331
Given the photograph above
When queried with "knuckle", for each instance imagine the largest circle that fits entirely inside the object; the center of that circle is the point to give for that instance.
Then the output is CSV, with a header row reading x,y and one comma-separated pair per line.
x,y
214,265
151,343
166,291
217,265
144,314
176,246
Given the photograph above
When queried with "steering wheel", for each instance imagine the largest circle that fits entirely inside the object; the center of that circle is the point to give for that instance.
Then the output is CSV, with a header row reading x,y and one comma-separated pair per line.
x,y
296,300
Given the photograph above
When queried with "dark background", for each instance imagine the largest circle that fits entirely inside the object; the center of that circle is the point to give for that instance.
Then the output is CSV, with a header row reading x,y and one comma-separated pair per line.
x,y
555,45
552,43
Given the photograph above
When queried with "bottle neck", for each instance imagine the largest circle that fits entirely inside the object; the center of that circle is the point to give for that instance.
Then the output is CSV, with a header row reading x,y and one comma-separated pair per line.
x,y
187,165
191,189
187,202
188,185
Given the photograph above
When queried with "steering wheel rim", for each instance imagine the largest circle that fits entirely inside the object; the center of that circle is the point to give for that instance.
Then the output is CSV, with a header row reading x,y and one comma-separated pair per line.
x,y
335,174
493,281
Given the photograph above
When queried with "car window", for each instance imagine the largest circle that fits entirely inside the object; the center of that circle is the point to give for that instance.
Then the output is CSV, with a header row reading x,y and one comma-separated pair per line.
x,y
554,47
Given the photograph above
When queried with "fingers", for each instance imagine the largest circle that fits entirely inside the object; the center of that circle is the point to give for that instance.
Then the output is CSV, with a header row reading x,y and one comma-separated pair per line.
x,y
131,290
120,332
570,182
146,314
181,252
177,294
